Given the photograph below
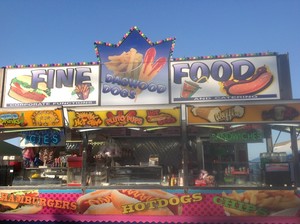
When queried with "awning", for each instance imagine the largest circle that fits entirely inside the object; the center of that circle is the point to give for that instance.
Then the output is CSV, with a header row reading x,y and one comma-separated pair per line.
x,y
7,149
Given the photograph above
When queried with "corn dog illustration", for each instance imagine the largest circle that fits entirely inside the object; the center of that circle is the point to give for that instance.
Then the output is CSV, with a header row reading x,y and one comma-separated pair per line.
x,y
148,60
135,66
150,68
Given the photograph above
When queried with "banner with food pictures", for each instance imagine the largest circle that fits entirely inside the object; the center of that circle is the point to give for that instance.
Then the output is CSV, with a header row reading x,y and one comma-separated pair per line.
x,y
124,118
224,79
147,205
135,71
51,86
31,118
275,113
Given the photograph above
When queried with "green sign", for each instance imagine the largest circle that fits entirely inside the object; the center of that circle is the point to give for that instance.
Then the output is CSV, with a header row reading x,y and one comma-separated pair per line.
x,y
241,136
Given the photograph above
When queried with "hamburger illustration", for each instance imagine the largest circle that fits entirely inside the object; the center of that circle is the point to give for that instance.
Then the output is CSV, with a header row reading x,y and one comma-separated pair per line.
x,y
16,202
21,90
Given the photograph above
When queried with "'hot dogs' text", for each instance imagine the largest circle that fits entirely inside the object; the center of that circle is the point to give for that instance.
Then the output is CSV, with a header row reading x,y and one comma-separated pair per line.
x,y
161,203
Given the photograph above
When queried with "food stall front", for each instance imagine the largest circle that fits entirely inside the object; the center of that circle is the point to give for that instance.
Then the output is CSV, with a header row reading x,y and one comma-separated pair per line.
x,y
163,140
40,131
118,133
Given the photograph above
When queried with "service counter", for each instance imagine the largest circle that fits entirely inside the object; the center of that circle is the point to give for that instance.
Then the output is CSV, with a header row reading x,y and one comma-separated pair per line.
x,y
150,203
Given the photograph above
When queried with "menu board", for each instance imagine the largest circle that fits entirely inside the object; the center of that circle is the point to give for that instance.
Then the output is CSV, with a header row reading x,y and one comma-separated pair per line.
x,y
245,113
123,117
31,118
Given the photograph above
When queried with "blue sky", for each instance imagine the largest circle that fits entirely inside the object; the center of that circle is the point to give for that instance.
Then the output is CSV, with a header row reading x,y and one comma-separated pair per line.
x,y
61,31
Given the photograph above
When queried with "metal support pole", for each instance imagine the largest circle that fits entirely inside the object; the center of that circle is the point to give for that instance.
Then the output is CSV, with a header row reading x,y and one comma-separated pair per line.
x,y
200,154
84,158
294,146
184,144
268,136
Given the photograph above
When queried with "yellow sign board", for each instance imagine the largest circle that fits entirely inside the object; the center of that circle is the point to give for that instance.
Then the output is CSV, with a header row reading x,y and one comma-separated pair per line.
x,y
124,118
31,119
244,113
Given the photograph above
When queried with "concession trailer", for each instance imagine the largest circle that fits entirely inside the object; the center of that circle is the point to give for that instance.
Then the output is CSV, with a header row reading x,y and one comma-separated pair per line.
x,y
140,137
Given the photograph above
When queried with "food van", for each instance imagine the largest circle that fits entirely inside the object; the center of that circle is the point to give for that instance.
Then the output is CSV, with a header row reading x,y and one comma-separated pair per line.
x,y
142,137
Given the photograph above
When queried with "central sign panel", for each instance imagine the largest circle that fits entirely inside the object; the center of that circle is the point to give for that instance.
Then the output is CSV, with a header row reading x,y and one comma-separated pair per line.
x,y
135,71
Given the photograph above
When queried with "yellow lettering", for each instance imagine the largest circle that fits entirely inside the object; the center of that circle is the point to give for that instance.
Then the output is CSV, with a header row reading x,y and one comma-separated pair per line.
x,y
139,206
174,201
185,199
197,197
128,208
162,203
151,204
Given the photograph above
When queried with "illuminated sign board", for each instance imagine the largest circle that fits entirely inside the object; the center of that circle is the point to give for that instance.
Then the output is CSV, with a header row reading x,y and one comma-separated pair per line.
x,y
243,134
48,138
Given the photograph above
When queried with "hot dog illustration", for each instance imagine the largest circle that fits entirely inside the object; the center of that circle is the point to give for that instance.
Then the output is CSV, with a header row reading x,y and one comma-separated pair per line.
x,y
129,201
158,117
257,83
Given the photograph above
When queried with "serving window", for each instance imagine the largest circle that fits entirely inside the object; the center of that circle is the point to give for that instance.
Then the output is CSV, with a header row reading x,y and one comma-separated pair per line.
x,y
216,156
234,155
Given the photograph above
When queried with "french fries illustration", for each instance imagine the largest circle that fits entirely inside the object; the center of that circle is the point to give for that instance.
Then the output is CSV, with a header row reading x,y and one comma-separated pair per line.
x,y
132,65
126,65
271,200
83,91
